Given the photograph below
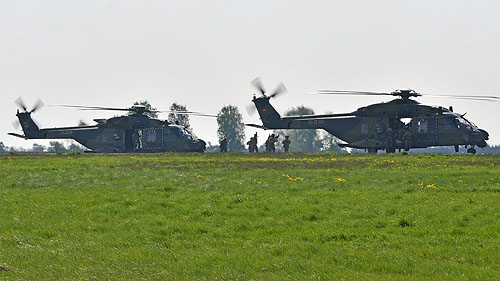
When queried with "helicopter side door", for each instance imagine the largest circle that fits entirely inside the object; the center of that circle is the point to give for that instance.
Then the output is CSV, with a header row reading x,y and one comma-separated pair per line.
x,y
425,131
148,139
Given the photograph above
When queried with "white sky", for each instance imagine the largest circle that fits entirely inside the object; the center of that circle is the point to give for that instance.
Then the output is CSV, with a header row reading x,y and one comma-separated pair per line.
x,y
204,54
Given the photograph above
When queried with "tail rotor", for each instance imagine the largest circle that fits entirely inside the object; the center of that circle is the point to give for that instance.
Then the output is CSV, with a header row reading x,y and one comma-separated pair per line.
x,y
257,83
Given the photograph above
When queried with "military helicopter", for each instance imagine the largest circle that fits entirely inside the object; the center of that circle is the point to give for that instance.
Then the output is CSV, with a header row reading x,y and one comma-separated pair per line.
x,y
382,126
136,132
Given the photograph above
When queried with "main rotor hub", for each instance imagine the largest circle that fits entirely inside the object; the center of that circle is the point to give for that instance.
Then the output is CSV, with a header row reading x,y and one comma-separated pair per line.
x,y
405,93
139,109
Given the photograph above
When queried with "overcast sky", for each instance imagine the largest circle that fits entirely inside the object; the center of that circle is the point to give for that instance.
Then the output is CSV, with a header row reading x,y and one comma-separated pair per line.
x,y
205,53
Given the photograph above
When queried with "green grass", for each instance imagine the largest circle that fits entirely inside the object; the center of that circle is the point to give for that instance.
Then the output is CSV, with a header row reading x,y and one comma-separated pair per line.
x,y
243,217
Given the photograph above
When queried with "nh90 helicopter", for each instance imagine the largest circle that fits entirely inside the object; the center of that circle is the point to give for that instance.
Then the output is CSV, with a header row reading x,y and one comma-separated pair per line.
x,y
381,126
136,132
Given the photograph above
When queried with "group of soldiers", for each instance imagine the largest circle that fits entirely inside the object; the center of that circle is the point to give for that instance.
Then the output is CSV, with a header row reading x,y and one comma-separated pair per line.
x,y
270,144
400,136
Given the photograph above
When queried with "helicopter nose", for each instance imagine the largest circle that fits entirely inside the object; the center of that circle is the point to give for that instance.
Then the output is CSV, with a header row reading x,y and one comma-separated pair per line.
x,y
485,134
482,138
202,144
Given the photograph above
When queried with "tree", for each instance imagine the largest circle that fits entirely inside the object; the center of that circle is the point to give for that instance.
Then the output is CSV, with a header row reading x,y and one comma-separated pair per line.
x,y
330,143
56,147
231,126
148,106
308,140
181,119
2,147
73,147
302,140
38,148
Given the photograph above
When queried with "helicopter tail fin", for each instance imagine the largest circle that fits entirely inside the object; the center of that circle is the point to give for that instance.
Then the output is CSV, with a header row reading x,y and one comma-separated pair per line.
x,y
269,116
30,128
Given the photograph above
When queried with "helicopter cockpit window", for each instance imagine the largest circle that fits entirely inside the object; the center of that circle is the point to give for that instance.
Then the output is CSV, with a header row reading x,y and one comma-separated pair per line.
x,y
463,123
174,133
188,134
449,123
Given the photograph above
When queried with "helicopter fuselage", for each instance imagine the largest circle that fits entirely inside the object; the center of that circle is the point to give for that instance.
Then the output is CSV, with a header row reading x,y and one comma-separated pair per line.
x,y
133,133
398,124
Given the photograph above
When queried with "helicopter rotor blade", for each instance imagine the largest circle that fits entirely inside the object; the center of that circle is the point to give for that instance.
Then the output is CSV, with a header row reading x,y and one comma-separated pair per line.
x,y
90,107
251,109
356,93
39,104
185,112
257,83
19,101
478,98
16,125
280,89
364,93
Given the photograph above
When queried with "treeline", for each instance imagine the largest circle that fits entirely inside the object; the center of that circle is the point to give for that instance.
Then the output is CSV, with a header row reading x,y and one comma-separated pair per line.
x,y
231,126
53,147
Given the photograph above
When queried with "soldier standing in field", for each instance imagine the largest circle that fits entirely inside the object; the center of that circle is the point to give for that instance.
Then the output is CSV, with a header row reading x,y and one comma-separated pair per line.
x,y
223,145
286,144
267,144
252,144
272,140
256,148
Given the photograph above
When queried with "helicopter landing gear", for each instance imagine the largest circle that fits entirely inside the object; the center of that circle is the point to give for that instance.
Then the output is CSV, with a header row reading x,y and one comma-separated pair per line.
x,y
456,148
472,150
372,150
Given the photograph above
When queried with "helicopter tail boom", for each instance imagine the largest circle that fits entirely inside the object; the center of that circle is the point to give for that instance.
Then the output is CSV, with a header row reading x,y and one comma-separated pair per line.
x,y
30,128
271,119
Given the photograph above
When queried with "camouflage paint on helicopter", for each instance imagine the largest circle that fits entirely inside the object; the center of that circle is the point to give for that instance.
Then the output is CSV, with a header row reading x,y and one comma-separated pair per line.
x,y
380,126
130,133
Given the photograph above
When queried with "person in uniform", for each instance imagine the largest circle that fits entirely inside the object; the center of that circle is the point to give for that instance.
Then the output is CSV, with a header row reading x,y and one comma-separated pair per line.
x,y
256,148
389,140
268,148
223,145
272,141
252,144
286,143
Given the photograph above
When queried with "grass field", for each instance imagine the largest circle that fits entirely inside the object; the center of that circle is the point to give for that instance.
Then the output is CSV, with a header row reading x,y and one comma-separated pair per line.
x,y
244,217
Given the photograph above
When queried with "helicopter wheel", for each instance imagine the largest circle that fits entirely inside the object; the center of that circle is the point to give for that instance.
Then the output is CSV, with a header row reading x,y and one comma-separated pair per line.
x,y
471,150
372,150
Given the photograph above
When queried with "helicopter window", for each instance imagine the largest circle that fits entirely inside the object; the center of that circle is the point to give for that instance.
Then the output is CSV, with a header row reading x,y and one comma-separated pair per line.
x,y
187,134
173,133
104,137
422,126
364,128
151,136
380,128
463,123
449,123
